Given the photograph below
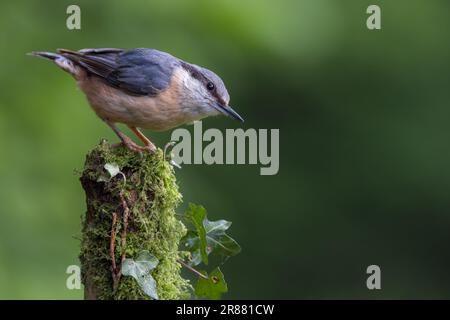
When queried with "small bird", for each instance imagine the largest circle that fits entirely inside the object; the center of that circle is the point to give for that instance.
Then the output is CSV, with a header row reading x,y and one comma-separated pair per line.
x,y
143,88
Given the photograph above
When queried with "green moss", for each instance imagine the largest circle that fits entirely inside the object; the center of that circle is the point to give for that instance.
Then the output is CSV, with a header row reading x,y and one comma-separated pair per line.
x,y
152,195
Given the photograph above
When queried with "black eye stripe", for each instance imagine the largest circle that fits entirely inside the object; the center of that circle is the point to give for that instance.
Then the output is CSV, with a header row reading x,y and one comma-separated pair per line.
x,y
205,81
197,75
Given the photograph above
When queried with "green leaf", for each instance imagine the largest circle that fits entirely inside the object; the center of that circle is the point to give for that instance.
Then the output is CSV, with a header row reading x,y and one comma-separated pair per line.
x,y
213,287
196,216
192,244
112,168
217,241
140,269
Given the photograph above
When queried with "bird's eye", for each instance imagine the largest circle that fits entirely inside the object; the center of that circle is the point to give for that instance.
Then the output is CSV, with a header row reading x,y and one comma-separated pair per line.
x,y
210,86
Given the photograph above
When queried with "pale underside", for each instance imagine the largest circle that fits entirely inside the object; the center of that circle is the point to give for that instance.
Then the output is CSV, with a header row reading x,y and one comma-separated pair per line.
x,y
166,110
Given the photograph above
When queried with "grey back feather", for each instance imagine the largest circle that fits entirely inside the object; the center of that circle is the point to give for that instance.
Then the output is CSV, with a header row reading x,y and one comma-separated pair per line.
x,y
138,71
143,71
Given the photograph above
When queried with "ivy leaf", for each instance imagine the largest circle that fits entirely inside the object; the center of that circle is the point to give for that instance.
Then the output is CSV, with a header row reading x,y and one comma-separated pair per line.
x,y
112,168
217,241
192,244
140,269
213,287
196,216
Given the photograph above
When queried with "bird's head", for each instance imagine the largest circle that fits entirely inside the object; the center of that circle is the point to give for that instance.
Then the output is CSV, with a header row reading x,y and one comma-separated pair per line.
x,y
206,92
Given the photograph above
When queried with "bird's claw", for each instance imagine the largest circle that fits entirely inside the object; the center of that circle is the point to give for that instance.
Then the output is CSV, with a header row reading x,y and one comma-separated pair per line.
x,y
130,145
150,148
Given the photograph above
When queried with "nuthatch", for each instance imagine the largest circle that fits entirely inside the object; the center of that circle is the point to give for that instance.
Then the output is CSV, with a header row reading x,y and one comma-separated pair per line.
x,y
144,88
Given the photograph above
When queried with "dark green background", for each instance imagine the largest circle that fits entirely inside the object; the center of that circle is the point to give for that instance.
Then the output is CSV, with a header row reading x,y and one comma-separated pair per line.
x,y
364,153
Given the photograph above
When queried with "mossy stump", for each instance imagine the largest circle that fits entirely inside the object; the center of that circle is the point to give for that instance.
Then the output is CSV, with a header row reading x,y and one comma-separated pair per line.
x,y
128,213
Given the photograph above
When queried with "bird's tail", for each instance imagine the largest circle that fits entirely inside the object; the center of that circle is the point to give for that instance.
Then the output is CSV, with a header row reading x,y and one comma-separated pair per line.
x,y
61,61
45,55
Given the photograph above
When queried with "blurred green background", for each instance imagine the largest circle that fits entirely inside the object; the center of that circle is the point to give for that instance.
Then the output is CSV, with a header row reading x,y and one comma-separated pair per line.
x,y
364,153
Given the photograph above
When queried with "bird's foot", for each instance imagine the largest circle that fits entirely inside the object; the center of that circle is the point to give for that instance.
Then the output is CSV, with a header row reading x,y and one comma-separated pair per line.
x,y
130,145
150,147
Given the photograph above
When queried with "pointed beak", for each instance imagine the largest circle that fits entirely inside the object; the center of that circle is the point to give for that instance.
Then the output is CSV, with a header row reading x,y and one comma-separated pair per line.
x,y
228,111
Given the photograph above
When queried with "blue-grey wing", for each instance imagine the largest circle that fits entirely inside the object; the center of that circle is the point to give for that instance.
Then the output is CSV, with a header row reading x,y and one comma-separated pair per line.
x,y
143,71
138,71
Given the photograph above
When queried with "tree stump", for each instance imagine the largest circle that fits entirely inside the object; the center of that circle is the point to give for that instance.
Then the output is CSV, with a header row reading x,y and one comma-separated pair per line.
x,y
128,212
